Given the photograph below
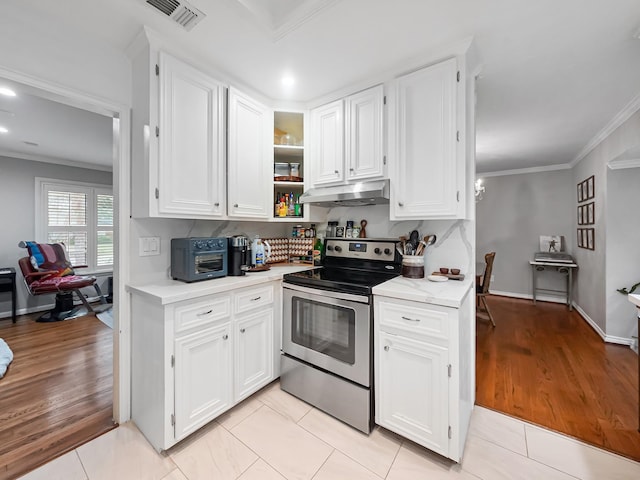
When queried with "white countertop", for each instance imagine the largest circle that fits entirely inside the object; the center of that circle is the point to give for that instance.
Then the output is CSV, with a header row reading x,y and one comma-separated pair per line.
x,y
169,291
448,294
635,299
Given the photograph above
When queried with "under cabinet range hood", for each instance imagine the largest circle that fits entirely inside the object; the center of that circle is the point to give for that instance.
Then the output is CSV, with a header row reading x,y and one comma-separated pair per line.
x,y
352,195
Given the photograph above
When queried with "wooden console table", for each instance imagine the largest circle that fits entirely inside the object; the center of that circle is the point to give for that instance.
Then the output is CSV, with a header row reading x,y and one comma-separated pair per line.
x,y
560,267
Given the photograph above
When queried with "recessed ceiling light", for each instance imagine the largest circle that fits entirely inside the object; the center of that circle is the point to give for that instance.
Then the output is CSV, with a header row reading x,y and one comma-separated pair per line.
x,y
7,91
3,130
288,81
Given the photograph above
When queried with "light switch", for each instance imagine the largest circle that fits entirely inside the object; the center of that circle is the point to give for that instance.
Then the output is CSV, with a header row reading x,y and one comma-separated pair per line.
x,y
149,246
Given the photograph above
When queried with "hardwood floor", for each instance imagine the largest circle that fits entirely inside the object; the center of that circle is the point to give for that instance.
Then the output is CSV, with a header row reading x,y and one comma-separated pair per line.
x,y
57,393
546,365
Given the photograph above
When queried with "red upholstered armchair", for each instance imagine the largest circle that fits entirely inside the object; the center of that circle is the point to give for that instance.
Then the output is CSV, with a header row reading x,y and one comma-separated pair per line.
x,y
47,270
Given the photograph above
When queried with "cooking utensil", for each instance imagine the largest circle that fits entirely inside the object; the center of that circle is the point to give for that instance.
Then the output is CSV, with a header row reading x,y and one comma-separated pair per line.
x,y
403,245
414,239
363,232
430,240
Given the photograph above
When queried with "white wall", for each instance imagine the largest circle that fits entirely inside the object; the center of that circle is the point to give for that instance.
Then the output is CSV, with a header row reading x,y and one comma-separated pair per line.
x,y
623,249
36,46
598,280
17,187
514,212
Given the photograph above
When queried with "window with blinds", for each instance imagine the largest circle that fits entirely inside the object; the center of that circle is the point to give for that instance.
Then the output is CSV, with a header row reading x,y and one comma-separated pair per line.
x,y
80,216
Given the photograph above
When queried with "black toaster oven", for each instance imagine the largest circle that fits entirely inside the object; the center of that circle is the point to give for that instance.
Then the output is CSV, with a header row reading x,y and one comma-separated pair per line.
x,y
197,258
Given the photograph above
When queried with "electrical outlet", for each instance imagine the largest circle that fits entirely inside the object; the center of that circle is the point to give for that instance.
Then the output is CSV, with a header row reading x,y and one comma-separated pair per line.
x,y
493,277
149,246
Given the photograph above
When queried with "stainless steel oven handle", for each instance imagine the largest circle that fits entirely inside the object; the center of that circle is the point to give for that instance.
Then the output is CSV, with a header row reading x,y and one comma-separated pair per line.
x,y
327,293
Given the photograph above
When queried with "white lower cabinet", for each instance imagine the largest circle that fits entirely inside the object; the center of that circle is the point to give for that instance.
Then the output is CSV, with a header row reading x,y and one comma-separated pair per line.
x,y
412,377
202,377
194,359
253,352
421,390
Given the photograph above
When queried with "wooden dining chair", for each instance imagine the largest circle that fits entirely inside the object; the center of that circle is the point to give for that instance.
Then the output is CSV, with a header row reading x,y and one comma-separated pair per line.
x,y
482,290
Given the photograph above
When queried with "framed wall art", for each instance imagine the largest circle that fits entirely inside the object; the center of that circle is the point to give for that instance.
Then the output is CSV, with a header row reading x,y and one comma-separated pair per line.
x,y
590,208
591,187
579,214
580,238
580,197
591,233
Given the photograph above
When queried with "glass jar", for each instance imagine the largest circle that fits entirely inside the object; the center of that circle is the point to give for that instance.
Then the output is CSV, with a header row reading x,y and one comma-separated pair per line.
x,y
413,266
331,229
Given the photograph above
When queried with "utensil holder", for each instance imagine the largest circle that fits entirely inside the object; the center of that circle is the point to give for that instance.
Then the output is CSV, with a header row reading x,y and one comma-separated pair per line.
x,y
413,266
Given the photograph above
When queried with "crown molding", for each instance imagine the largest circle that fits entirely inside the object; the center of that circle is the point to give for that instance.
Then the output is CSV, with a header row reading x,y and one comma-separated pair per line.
x,y
522,171
622,164
54,160
629,109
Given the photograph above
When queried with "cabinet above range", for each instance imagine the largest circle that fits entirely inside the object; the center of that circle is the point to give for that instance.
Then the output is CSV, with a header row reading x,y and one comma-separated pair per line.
x,y
347,138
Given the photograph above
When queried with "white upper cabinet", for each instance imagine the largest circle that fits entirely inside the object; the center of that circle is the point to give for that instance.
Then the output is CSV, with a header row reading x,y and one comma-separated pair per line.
x,y
178,145
327,124
364,147
191,136
250,159
347,138
428,154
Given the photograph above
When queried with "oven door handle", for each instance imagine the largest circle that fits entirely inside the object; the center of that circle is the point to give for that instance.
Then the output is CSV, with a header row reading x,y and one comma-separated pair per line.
x,y
327,293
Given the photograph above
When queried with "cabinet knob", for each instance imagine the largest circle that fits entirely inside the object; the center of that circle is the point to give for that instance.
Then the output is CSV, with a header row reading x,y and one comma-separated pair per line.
x,y
242,330
336,172
225,336
386,348
217,204
235,205
352,169
400,204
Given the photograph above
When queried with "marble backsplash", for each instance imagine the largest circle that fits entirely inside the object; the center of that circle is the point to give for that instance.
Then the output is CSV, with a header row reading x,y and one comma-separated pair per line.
x,y
454,247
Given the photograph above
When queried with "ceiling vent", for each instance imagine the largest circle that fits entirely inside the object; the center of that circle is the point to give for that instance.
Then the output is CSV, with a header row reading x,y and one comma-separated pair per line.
x,y
181,12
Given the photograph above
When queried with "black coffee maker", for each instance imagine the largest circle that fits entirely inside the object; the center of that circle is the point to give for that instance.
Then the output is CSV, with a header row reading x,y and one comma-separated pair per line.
x,y
239,256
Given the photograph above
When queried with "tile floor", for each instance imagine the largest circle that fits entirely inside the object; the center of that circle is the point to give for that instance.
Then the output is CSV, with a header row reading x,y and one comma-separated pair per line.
x,y
274,436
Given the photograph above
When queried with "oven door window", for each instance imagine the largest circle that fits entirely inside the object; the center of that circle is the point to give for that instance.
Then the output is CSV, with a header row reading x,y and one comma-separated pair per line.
x,y
324,328
209,262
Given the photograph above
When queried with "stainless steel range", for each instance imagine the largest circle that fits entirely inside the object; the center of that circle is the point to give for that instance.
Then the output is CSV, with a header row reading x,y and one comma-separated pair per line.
x,y
327,346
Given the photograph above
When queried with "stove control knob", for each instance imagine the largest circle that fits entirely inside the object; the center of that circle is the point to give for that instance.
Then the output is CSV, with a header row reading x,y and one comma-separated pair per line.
x,y
377,251
387,251
338,248
330,247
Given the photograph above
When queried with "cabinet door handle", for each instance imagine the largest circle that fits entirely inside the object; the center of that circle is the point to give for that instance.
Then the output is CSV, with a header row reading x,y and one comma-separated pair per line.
x,y
225,336
411,319
202,314
386,348
254,299
242,330
400,204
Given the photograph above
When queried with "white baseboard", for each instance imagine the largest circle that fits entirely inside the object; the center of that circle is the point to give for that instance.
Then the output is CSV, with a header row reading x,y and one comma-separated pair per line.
x,y
43,308
528,296
583,314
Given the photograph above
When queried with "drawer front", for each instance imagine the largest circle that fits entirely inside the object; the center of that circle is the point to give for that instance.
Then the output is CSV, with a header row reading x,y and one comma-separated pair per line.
x,y
253,298
414,318
202,312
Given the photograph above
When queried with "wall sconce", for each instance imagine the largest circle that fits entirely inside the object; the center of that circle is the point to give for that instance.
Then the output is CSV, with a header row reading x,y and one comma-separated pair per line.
x,y
479,189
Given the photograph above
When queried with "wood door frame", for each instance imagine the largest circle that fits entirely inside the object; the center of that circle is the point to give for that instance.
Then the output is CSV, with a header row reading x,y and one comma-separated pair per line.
x,y
121,114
